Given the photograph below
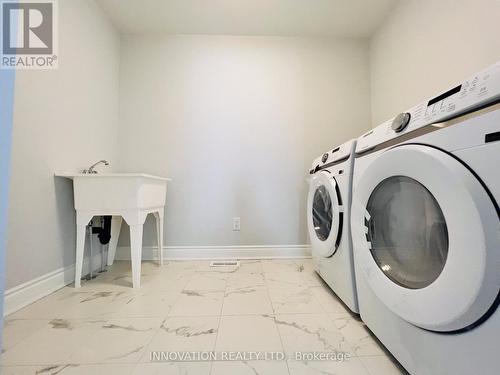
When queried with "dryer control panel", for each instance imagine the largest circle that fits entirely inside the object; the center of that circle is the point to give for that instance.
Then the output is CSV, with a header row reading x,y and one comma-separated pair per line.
x,y
478,91
333,156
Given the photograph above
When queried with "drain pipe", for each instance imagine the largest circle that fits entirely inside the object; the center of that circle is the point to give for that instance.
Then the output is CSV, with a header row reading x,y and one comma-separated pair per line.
x,y
104,235
103,232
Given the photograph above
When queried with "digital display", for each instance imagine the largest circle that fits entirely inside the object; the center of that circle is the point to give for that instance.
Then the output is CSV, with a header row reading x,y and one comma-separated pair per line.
x,y
445,95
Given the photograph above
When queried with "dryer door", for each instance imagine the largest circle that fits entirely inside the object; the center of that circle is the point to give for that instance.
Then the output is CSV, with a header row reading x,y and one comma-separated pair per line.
x,y
324,214
426,235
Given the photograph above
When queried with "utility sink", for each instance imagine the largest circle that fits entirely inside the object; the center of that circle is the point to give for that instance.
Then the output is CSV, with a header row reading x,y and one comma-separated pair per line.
x,y
131,196
109,191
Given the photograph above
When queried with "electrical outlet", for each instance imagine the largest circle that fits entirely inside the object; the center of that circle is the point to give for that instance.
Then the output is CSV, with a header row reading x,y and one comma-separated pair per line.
x,y
236,223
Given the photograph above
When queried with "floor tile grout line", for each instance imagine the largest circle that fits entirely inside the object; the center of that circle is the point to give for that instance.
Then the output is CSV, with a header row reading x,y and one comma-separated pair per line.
x,y
178,294
166,316
27,337
363,364
46,326
184,316
218,326
147,345
72,352
144,347
277,328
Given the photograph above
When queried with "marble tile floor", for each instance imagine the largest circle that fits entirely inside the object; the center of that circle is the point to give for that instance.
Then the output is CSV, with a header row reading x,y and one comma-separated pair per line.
x,y
266,306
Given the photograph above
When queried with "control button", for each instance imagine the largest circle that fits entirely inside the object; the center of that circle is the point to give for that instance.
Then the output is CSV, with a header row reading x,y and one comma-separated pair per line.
x,y
325,157
400,121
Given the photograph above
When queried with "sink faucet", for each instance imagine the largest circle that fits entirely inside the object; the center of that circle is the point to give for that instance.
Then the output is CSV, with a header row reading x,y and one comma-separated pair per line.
x,y
91,168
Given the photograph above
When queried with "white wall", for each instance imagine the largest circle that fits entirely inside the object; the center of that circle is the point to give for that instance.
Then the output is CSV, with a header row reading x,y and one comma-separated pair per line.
x,y
63,119
236,122
426,46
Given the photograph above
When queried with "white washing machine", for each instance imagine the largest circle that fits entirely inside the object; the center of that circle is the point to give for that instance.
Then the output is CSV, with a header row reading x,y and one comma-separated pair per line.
x,y
328,219
426,231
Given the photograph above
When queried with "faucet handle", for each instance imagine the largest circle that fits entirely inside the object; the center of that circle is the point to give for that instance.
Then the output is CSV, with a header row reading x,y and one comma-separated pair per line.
x,y
91,169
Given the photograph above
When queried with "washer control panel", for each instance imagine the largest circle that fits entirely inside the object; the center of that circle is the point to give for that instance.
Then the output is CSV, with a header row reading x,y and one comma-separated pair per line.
x,y
477,91
400,121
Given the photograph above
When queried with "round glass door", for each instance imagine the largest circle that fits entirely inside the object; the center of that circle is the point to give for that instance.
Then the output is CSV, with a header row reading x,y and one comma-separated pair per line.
x,y
322,213
407,231
425,238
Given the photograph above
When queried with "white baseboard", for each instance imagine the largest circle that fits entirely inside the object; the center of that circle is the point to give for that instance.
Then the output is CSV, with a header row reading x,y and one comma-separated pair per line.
x,y
22,295
219,252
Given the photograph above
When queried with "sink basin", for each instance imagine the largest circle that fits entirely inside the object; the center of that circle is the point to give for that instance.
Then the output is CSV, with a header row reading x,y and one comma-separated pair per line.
x,y
117,191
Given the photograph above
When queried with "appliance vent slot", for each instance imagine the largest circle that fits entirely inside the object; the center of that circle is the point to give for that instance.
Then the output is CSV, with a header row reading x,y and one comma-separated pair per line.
x,y
225,263
338,148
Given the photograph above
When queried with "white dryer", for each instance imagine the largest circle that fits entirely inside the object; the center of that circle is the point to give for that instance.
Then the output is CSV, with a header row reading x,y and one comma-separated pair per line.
x,y
426,231
328,218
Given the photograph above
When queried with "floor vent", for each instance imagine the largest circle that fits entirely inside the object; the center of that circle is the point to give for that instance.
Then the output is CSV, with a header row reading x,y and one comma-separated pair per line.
x,y
225,263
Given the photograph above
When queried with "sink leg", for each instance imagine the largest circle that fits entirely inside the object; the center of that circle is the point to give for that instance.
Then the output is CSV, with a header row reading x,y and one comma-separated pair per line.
x,y
136,253
161,238
116,223
159,234
80,246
